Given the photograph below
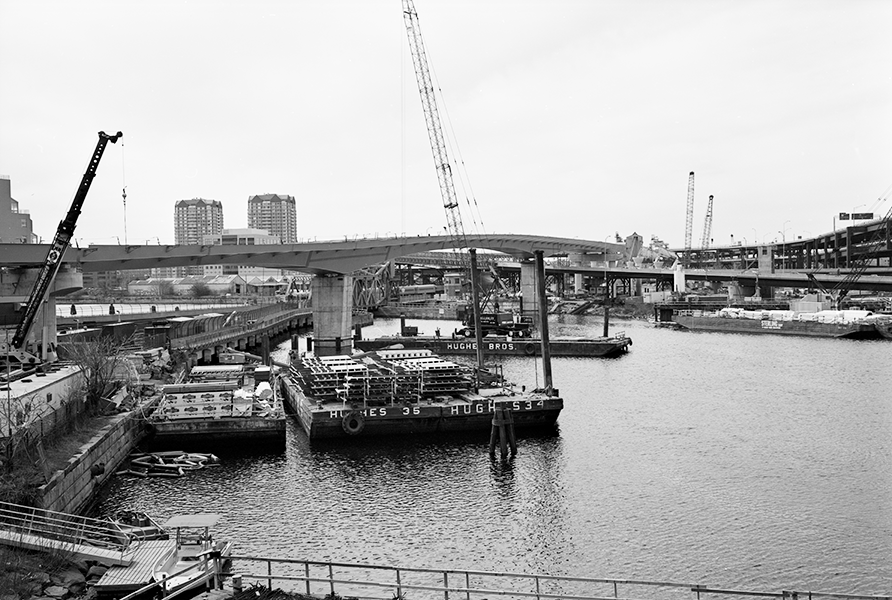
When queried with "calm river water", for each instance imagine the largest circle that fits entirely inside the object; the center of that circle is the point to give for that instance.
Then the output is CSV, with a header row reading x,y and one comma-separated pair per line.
x,y
736,461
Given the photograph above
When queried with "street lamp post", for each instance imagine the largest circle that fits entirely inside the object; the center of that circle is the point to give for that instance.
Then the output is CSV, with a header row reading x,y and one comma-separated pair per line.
x,y
784,246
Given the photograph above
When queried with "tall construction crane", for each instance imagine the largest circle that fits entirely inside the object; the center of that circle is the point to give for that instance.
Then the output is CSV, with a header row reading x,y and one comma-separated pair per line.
x,y
689,222
441,162
53,259
434,129
707,226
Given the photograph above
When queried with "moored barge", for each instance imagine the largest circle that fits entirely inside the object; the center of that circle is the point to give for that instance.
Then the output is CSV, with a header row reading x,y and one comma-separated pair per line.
x,y
501,345
403,392
219,404
826,324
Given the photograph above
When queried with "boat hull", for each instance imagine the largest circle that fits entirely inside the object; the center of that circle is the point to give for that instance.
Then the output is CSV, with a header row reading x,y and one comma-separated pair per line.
x,y
502,346
774,327
330,420
219,431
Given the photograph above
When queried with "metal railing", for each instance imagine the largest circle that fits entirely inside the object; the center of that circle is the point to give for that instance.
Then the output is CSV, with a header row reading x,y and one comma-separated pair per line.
x,y
230,333
101,309
205,572
58,529
355,579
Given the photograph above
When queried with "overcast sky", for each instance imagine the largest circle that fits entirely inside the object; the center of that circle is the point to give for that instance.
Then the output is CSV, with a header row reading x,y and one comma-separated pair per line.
x,y
573,118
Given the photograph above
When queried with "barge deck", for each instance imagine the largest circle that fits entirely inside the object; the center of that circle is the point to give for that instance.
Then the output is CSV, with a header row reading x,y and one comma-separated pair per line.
x,y
403,392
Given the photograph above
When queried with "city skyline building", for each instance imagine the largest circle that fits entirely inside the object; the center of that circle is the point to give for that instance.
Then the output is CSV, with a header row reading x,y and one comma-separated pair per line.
x,y
192,221
16,226
242,237
276,214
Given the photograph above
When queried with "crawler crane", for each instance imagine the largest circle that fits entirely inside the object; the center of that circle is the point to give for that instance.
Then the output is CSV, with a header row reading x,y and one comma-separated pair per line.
x,y
16,349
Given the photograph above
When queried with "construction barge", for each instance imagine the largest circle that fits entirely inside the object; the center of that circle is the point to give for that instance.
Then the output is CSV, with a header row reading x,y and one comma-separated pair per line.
x,y
503,345
404,392
219,404
810,317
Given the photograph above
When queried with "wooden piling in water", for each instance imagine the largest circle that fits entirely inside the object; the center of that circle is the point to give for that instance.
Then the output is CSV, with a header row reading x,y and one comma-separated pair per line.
x,y
503,429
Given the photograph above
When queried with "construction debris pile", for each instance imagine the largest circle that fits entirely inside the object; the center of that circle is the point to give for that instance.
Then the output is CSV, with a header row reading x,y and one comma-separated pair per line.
x,y
173,463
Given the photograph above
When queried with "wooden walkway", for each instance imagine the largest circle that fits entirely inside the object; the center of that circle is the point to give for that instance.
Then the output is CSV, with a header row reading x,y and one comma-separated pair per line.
x,y
146,554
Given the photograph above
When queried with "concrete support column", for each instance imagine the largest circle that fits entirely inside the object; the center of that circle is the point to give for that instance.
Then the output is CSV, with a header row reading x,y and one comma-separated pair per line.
x,y
15,289
529,291
332,315
577,259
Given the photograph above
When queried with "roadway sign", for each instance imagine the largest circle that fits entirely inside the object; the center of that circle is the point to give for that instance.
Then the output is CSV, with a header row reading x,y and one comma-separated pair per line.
x,y
855,216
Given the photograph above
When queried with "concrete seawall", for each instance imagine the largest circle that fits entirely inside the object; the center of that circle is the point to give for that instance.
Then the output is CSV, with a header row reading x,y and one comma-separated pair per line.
x,y
71,489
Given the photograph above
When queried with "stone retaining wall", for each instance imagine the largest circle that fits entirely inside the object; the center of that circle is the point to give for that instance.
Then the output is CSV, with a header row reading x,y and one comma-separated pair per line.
x,y
70,490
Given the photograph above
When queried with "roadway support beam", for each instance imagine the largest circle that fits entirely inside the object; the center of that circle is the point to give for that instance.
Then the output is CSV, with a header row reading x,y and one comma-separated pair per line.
x,y
332,315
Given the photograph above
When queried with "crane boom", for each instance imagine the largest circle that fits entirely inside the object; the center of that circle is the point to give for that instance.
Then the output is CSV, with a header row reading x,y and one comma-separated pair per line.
x,y
434,128
64,233
707,226
689,221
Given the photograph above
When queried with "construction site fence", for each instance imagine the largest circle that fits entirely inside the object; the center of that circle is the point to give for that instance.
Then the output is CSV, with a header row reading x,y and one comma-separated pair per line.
x,y
380,581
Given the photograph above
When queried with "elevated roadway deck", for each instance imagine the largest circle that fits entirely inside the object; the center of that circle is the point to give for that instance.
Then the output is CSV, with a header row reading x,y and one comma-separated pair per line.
x,y
336,257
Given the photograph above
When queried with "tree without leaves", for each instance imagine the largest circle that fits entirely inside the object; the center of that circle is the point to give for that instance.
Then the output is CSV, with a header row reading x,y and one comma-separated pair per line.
x,y
201,290
101,363
165,288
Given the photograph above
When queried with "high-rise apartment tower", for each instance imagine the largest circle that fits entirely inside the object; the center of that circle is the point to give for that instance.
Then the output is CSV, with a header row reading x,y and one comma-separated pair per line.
x,y
194,219
275,214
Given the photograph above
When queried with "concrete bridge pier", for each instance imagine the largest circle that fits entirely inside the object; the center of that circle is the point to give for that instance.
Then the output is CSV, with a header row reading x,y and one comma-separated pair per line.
x,y
332,315
15,289
529,292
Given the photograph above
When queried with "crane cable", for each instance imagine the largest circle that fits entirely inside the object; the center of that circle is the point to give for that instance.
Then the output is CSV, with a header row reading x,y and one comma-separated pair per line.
x,y
464,179
124,191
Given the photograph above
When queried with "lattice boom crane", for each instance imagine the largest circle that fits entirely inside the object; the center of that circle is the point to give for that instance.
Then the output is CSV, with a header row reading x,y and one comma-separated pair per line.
x,y
707,226
434,128
689,221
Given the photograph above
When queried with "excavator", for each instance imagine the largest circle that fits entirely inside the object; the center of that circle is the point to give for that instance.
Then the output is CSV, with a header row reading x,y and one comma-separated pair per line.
x,y
16,350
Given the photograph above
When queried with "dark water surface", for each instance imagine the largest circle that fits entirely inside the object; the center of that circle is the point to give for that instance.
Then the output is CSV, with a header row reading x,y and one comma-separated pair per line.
x,y
753,462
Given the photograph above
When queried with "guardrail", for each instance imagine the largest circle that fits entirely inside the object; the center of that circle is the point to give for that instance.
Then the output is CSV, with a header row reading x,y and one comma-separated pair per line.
x,y
361,580
97,309
62,529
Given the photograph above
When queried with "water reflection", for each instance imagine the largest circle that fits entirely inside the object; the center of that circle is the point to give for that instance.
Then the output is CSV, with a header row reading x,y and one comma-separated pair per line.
x,y
722,459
